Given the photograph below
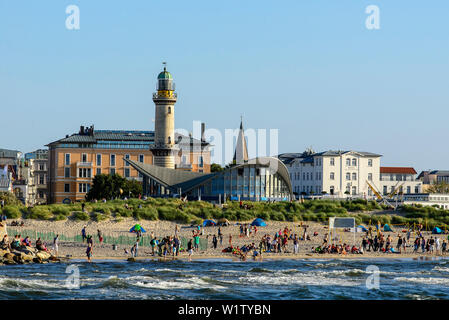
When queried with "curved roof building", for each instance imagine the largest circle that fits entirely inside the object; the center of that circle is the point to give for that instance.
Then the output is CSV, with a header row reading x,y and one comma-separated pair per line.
x,y
258,179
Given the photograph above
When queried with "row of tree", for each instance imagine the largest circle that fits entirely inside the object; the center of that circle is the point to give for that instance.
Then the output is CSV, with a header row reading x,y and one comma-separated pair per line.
x,y
107,186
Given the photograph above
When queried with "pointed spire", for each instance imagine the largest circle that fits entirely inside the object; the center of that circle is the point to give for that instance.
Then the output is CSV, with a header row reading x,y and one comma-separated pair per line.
x,y
241,150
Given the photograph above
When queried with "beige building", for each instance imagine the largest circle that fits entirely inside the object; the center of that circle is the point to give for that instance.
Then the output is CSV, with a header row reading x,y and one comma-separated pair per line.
x,y
335,173
77,158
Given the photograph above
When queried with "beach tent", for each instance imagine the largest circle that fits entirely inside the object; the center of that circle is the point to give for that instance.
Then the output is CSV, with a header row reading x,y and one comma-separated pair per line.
x,y
223,222
209,223
437,230
136,228
387,228
259,223
363,228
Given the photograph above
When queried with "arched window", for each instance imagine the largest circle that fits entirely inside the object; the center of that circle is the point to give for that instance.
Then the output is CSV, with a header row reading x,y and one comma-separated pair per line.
x,y
169,110
169,140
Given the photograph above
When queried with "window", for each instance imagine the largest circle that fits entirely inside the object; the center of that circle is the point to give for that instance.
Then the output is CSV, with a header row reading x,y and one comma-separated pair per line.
x,y
141,158
169,140
41,179
169,110
98,159
303,176
348,176
332,176
354,162
41,167
370,176
83,187
67,159
126,172
66,187
370,162
385,190
84,157
409,189
112,160
127,158
417,189
354,191
112,171
41,194
200,161
98,171
348,162
332,161
84,172
66,172
354,176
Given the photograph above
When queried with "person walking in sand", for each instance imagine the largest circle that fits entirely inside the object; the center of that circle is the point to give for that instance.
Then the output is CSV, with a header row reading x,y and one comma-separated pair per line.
x,y
100,236
83,233
55,245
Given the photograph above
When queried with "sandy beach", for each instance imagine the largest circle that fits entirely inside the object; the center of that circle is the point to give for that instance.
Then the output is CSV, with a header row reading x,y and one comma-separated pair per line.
x,y
76,250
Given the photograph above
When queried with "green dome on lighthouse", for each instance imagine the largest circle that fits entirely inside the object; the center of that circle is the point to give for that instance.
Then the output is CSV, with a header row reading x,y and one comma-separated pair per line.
x,y
164,75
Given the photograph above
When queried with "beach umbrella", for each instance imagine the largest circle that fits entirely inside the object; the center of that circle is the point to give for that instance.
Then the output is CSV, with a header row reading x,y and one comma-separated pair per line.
x,y
259,223
208,223
137,227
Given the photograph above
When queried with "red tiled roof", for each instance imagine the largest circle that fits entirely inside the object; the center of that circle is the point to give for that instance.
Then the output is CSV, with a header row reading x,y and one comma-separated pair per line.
x,y
402,170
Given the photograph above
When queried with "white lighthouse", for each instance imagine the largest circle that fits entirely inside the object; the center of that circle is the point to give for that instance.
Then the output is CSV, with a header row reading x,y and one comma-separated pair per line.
x,y
164,127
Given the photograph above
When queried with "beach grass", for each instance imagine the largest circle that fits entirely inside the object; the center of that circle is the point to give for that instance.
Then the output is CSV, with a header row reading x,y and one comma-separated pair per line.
x,y
152,209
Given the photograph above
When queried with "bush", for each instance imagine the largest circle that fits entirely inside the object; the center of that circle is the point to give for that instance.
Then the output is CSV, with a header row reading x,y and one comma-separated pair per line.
x,y
148,213
97,216
59,209
12,212
59,217
40,213
80,215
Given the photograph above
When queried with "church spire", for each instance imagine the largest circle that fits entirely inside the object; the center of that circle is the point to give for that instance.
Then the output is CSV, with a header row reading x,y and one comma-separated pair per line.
x,y
241,150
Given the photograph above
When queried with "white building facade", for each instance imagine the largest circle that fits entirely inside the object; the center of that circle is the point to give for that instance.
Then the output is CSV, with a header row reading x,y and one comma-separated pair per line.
x,y
399,180
336,173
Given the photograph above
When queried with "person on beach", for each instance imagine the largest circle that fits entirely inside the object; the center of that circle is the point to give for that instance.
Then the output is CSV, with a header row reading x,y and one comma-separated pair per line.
x,y
89,252
197,242
214,242
100,236
190,249
296,245
176,246
230,240
152,244
83,233
55,245
399,245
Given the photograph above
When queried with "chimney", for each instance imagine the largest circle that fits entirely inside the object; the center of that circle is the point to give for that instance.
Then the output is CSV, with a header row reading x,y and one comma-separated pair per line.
x,y
203,128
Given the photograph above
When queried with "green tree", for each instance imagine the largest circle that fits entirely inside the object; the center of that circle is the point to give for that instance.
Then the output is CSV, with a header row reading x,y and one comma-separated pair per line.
x,y
113,186
215,167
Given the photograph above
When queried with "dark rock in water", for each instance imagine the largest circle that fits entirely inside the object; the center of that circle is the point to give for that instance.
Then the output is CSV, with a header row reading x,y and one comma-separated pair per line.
x,y
131,259
9,262
37,260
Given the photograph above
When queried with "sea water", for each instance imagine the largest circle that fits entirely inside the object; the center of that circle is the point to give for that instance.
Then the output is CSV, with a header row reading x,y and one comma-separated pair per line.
x,y
228,279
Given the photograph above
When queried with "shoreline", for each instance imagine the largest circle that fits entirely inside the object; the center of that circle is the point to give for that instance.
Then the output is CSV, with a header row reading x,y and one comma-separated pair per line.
x,y
273,257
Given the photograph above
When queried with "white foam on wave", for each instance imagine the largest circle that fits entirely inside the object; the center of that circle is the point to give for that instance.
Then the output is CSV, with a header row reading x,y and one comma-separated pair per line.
x,y
17,284
443,281
440,269
320,278
185,283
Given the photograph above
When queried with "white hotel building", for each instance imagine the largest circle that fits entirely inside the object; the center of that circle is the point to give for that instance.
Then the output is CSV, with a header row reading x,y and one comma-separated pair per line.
x,y
336,173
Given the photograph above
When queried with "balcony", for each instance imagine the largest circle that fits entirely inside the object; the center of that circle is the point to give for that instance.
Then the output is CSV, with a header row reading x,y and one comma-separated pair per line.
x,y
169,95
84,164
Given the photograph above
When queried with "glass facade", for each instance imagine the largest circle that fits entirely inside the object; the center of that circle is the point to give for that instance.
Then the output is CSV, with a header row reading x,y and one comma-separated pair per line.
x,y
248,182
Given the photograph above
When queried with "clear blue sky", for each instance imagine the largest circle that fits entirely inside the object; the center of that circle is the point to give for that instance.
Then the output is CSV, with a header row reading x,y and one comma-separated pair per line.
x,y
309,68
